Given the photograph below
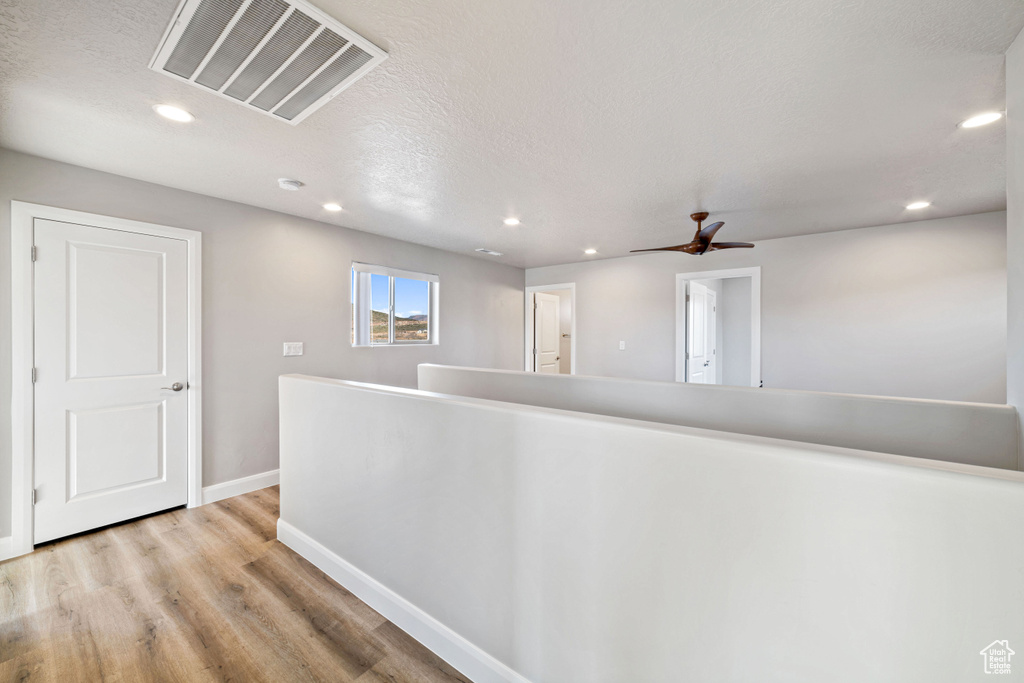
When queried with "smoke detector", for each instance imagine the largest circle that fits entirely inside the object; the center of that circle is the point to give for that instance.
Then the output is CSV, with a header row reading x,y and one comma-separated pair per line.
x,y
289,184
490,252
281,58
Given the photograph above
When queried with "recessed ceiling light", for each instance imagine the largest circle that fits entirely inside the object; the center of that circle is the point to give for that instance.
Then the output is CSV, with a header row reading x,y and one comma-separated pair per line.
x,y
982,119
590,252
332,206
289,184
490,252
511,221
173,113
918,205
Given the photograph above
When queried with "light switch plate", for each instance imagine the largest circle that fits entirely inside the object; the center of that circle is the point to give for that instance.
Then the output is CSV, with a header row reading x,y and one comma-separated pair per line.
x,y
622,346
293,348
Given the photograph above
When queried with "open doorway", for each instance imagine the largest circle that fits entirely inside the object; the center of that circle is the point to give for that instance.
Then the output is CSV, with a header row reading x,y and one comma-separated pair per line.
x,y
718,327
551,329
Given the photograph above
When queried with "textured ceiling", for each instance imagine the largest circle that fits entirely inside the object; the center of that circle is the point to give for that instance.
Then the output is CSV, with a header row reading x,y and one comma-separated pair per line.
x,y
600,124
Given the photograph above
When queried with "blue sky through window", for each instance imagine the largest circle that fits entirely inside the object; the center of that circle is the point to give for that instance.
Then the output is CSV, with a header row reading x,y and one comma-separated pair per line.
x,y
411,296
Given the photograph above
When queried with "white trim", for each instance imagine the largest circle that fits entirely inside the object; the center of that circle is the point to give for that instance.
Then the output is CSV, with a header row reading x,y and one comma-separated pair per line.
x,y
528,324
23,216
22,391
754,274
236,487
469,659
6,548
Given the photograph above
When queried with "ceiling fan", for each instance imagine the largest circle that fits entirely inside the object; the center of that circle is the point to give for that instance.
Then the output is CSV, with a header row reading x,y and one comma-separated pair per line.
x,y
702,243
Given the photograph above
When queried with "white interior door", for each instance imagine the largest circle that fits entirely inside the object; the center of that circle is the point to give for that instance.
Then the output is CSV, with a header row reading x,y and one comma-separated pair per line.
x,y
697,351
111,359
711,372
546,337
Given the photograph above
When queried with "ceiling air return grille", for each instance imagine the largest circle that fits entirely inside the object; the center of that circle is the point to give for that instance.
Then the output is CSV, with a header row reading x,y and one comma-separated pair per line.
x,y
283,58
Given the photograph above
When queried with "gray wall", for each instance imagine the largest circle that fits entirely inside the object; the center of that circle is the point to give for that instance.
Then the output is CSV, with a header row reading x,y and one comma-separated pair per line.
x,y
1015,225
982,434
915,309
269,278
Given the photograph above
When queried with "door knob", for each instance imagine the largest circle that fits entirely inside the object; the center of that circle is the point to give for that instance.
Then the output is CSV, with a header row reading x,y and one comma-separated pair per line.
x,y
177,386
706,363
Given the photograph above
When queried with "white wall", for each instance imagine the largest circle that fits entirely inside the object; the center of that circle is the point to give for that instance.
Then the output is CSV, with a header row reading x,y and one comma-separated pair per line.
x,y
1015,224
269,278
600,550
916,309
735,308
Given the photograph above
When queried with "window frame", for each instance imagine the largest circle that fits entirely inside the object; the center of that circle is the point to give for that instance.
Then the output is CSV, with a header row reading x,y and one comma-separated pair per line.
x,y
362,305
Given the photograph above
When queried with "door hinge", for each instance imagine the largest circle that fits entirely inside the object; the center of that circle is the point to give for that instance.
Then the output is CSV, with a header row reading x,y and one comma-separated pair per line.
x,y
34,374
687,298
33,496
535,352
35,253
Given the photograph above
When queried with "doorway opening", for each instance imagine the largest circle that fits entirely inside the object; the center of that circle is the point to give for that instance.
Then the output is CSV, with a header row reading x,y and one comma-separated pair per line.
x,y
551,329
718,327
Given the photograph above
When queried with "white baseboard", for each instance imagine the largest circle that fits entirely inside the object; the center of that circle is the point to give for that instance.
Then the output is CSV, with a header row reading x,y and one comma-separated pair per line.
x,y
438,638
6,548
236,487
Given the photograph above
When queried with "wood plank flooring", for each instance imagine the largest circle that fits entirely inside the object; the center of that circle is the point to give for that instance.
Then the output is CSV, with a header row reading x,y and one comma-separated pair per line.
x,y
206,594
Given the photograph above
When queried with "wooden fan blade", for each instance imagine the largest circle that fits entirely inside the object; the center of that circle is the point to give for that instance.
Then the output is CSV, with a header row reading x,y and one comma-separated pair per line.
x,y
690,248
708,233
730,245
678,248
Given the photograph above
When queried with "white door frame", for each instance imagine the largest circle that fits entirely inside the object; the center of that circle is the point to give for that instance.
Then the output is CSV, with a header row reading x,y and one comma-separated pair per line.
x,y
22,315
528,314
682,279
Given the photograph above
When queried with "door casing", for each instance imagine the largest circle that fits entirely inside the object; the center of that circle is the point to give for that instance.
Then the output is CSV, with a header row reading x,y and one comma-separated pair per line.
x,y
23,215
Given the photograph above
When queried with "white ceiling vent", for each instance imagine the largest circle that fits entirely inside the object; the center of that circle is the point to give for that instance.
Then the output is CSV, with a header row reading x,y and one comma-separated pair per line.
x,y
283,58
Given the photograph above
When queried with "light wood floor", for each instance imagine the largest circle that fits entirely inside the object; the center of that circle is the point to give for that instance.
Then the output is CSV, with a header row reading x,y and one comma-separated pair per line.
x,y
206,594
